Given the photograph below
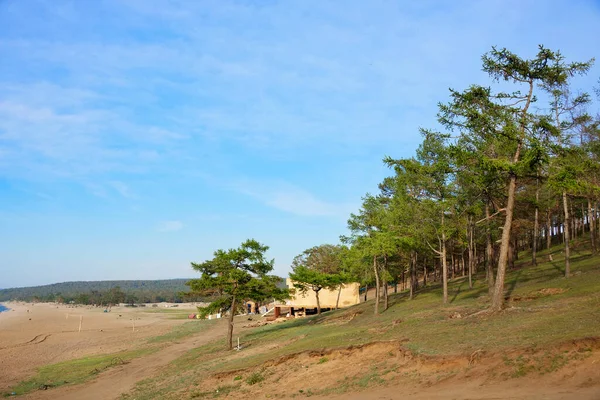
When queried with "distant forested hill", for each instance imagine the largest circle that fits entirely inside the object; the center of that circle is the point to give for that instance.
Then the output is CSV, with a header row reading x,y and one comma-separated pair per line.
x,y
97,292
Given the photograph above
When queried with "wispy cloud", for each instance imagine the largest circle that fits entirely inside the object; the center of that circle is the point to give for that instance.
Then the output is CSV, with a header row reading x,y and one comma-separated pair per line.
x,y
291,75
95,189
170,226
292,199
122,188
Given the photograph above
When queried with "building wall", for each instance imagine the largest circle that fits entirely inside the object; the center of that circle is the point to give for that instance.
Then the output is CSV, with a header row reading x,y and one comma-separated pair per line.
x,y
348,297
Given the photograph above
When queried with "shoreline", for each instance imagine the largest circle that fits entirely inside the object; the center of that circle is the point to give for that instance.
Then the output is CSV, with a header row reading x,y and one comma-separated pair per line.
x,y
6,306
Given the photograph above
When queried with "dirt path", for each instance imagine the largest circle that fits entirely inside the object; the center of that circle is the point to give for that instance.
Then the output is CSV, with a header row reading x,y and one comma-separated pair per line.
x,y
115,381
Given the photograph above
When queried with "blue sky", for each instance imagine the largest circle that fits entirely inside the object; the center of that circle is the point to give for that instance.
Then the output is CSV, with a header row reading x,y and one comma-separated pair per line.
x,y
139,135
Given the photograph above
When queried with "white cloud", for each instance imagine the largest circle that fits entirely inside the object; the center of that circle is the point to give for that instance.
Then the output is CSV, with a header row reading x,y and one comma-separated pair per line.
x,y
170,226
292,199
301,203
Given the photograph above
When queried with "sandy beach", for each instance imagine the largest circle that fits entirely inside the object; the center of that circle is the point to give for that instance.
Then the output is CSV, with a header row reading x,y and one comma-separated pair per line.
x,y
33,335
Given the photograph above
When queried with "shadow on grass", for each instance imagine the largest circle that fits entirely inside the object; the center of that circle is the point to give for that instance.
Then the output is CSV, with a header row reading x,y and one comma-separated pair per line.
x,y
557,267
457,292
513,284
582,257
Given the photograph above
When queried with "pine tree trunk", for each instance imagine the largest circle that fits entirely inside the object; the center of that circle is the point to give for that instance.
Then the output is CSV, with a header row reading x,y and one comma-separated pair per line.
x,y
318,301
562,227
416,272
337,301
498,297
511,255
573,227
385,284
471,253
536,224
385,295
489,252
567,238
230,325
425,273
592,228
444,263
376,271
549,230
582,220
596,224
412,277
403,278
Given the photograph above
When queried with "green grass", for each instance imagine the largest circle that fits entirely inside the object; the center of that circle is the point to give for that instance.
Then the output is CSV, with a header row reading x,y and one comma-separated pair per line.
x,y
532,319
75,371
181,331
223,390
174,313
255,378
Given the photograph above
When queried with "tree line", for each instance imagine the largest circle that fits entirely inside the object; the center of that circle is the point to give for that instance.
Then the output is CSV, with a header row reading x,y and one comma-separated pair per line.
x,y
105,292
513,166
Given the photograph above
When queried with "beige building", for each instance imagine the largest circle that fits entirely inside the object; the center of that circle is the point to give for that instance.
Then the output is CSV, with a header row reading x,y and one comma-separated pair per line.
x,y
306,303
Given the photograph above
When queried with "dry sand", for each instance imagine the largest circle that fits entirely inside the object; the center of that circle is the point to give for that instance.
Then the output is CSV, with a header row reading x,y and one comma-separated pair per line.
x,y
33,335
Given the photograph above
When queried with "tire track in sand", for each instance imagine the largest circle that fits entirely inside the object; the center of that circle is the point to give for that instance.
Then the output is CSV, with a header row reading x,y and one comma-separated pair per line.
x,y
36,340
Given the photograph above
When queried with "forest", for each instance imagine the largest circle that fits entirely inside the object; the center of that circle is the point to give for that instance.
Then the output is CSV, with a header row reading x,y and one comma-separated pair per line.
x,y
513,166
104,292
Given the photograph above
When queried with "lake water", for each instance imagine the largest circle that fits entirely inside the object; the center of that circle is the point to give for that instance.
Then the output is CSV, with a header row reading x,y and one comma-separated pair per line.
x,y
2,308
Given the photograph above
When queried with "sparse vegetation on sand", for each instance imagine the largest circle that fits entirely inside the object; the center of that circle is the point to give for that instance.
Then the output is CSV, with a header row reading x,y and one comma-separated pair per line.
x,y
81,370
76,371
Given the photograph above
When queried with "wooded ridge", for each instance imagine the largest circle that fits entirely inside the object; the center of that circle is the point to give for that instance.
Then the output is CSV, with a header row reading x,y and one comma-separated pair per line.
x,y
84,291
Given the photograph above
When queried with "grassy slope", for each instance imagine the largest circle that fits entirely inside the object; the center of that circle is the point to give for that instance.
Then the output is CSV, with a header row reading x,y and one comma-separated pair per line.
x,y
424,324
532,319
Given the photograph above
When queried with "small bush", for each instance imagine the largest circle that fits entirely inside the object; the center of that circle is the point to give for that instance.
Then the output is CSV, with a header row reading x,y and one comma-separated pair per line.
x,y
255,378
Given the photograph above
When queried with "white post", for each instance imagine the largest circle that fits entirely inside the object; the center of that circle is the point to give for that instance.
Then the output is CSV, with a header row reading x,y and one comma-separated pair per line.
x,y
133,320
80,321
238,343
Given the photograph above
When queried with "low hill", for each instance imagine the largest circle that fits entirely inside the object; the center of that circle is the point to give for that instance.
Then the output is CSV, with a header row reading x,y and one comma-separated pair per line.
x,y
142,290
546,341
